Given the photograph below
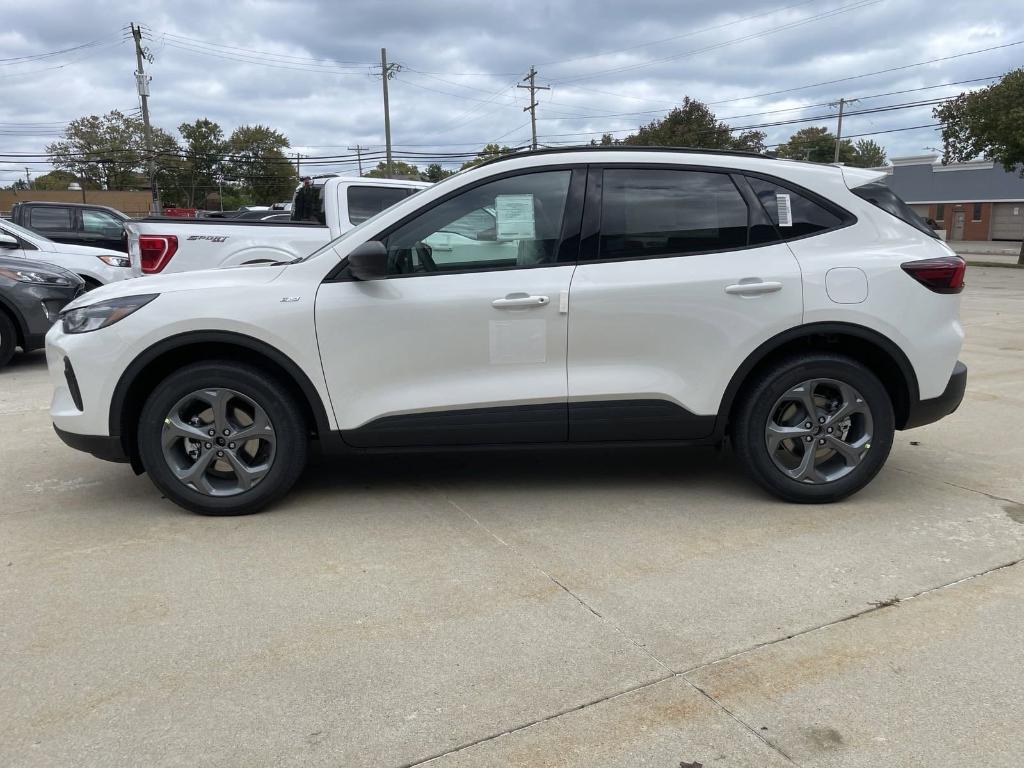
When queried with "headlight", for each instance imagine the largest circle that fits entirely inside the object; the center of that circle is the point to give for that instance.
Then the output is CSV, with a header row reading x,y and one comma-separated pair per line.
x,y
103,313
116,261
37,276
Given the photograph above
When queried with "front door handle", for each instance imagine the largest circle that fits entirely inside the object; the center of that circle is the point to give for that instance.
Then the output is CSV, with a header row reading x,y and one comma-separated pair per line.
x,y
758,288
511,302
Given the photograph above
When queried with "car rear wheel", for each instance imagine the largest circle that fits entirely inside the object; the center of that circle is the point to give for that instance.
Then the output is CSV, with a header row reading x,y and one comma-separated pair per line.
x,y
814,428
8,339
222,438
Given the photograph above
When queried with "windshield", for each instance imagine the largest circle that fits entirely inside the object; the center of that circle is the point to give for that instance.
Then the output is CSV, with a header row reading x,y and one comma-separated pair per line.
x,y
880,195
28,234
358,229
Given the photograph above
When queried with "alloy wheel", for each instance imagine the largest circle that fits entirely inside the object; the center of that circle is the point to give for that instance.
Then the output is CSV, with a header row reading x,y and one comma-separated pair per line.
x,y
819,431
218,442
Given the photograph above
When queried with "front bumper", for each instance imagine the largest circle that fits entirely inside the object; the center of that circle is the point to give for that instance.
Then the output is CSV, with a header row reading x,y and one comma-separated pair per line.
x,y
39,306
928,411
100,446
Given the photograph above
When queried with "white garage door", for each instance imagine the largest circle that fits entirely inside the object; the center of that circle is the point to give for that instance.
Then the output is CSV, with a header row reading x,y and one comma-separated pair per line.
x,y
1008,221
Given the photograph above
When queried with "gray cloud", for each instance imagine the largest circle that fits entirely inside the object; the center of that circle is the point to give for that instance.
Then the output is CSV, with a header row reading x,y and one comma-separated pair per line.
x,y
461,60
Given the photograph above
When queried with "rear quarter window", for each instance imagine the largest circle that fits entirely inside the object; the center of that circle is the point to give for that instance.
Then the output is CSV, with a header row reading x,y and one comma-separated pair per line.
x,y
879,195
805,216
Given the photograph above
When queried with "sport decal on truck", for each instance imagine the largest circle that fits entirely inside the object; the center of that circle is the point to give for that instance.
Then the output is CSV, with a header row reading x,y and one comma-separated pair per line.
x,y
211,238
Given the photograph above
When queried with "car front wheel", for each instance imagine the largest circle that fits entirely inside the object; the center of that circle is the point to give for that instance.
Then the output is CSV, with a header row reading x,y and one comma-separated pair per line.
x,y
222,438
814,428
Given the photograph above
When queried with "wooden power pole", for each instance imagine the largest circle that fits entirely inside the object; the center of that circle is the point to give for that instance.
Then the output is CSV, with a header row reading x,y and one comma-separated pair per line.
x,y
142,83
532,108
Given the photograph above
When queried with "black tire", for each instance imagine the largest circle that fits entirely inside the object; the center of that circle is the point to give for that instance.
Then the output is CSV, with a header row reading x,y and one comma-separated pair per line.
x,y
289,431
8,339
761,396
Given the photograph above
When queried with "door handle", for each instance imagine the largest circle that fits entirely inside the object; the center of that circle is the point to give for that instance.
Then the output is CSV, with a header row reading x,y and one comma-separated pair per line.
x,y
753,288
511,302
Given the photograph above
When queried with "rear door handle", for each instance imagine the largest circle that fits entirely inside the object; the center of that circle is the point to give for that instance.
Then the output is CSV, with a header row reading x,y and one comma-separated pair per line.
x,y
511,302
753,288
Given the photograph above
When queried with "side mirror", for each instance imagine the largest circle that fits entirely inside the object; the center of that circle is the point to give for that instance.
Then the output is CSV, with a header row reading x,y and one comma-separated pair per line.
x,y
6,241
369,261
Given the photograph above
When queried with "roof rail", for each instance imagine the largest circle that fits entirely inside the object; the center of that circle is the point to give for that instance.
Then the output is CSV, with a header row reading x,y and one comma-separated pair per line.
x,y
626,148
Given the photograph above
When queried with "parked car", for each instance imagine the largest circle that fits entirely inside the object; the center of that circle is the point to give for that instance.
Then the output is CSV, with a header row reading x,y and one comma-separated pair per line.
x,y
96,266
612,297
32,294
163,245
98,226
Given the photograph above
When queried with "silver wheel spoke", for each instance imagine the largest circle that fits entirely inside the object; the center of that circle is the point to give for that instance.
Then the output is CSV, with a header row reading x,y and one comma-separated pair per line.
x,y
804,394
852,453
247,475
218,400
776,433
260,429
195,475
175,429
852,403
806,470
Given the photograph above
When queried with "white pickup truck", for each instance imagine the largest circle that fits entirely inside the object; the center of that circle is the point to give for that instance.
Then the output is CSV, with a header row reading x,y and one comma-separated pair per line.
x,y
165,244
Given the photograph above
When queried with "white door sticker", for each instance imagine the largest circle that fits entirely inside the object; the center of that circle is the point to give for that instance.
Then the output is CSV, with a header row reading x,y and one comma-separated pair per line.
x,y
515,218
518,341
785,210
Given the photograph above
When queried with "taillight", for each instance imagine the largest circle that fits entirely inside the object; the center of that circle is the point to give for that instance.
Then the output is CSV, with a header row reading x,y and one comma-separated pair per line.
x,y
942,275
155,251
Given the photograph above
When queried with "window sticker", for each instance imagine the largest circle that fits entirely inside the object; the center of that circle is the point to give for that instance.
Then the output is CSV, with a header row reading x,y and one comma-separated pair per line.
x,y
514,217
785,210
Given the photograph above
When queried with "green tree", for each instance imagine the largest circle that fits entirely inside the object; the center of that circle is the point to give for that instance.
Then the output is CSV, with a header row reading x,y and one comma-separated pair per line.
x,y
693,124
53,180
606,140
435,172
818,145
988,122
399,170
868,154
257,163
202,159
101,151
18,184
489,152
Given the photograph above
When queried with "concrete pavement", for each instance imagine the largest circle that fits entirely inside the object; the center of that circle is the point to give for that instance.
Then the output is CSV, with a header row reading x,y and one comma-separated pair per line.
x,y
598,609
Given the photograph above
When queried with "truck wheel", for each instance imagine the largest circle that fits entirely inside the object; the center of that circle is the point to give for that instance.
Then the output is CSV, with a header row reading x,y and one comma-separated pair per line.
x,y
814,428
8,339
222,438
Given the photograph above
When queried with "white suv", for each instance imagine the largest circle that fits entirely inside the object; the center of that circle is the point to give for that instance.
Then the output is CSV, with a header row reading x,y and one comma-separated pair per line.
x,y
615,297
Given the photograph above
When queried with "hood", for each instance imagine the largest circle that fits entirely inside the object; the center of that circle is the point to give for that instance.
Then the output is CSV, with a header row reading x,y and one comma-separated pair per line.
x,y
182,281
80,250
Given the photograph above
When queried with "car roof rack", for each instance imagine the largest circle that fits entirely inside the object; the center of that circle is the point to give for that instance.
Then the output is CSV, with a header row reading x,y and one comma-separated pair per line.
x,y
628,148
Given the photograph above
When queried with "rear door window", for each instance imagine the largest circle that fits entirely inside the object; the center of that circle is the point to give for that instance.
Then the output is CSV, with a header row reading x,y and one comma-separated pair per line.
x,y
650,212
794,214
364,202
50,219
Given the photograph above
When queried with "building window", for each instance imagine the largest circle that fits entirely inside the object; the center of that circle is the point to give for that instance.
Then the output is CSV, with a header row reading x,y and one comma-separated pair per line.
x,y
940,212
976,216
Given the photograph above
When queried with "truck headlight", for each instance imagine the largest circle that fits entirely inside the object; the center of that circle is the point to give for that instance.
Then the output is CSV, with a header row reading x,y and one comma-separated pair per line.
x,y
116,261
103,313
37,276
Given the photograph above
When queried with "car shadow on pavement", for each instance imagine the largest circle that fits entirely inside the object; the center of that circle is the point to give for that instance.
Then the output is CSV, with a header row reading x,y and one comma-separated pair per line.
x,y
541,469
25,362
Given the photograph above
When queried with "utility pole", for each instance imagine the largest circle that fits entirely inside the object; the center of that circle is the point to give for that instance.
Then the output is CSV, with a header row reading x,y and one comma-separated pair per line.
x,y
28,179
359,156
839,128
387,71
142,83
298,165
532,109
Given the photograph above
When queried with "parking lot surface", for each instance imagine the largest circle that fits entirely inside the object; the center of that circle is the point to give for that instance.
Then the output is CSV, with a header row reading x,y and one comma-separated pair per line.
x,y
606,608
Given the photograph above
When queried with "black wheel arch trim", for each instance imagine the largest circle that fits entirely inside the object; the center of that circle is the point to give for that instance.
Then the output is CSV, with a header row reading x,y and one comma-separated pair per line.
x,y
171,343
759,355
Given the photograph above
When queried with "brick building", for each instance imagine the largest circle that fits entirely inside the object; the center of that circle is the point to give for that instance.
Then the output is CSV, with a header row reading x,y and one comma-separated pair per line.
x,y
976,200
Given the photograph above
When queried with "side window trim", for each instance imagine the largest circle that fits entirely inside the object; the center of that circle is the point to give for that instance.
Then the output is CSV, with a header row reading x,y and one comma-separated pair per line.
x,y
591,229
568,239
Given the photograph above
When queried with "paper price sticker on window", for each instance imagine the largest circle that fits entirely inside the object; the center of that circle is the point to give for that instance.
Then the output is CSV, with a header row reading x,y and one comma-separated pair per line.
x,y
785,210
514,216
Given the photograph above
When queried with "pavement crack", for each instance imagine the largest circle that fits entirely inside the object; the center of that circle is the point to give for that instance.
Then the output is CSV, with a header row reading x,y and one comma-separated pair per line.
x,y
951,484
539,721
743,723
536,566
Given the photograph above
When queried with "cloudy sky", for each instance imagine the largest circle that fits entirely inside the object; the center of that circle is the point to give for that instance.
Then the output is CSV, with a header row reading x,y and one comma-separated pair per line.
x,y
311,68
